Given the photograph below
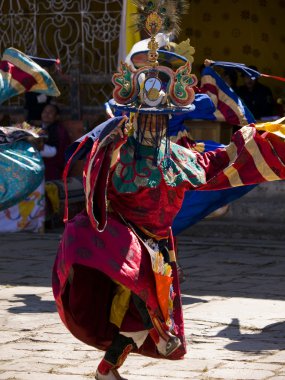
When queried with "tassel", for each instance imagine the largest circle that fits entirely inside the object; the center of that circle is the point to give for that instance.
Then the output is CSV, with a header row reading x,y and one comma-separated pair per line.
x,y
249,71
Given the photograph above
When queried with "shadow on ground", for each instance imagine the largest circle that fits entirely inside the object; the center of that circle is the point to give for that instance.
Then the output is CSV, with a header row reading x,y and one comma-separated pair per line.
x,y
32,304
271,337
227,268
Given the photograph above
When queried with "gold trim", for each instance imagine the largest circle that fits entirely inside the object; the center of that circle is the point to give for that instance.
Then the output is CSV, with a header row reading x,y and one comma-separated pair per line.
x,y
172,256
233,176
260,163
231,150
222,96
152,235
16,85
29,69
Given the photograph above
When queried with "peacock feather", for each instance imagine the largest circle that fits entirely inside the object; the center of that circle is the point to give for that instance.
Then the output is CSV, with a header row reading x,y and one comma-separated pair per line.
x,y
168,11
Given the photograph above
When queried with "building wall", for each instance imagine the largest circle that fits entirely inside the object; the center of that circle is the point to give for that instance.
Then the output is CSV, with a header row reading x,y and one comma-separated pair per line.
x,y
87,30
246,31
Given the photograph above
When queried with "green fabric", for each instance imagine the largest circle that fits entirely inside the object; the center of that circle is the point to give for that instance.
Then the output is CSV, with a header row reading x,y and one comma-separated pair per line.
x,y
131,174
22,171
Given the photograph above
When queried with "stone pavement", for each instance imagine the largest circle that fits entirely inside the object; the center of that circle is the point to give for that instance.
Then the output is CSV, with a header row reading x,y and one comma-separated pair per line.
x,y
234,308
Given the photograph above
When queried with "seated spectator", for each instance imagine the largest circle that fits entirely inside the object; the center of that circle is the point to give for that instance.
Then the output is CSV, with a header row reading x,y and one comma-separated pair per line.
x,y
231,78
36,102
54,143
34,105
257,97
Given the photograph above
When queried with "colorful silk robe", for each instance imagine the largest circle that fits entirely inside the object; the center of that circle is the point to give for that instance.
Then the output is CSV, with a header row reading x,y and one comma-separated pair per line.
x,y
22,171
218,102
199,204
215,101
124,195
21,166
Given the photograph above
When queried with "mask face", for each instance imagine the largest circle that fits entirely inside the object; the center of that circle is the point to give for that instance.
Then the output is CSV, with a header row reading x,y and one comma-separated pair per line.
x,y
152,91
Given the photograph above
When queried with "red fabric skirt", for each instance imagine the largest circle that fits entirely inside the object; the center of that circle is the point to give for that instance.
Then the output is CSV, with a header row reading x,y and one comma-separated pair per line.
x,y
85,265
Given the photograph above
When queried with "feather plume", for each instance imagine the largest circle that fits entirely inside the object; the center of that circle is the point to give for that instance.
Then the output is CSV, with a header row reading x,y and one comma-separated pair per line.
x,y
169,11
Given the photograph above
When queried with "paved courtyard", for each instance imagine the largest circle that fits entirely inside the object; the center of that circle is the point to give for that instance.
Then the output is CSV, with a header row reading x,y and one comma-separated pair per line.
x,y
234,308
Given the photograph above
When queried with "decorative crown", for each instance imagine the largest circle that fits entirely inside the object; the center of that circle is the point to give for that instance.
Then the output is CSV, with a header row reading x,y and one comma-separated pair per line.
x,y
185,49
154,85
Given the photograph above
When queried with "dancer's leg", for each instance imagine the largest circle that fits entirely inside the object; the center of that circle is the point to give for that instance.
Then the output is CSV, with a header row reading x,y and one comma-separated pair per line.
x,y
114,358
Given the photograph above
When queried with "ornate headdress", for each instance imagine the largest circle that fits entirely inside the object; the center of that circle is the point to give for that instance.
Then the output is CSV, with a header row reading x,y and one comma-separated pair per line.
x,y
152,86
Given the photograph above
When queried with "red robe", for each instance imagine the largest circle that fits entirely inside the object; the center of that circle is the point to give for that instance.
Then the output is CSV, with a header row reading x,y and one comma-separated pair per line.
x,y
100,244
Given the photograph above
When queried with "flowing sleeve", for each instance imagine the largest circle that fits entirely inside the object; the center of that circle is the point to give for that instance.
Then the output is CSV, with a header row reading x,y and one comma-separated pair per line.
x,y
229,106
256,154
97,147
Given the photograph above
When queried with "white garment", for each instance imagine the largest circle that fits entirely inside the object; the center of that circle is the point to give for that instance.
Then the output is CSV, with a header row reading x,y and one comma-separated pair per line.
x,y
48,151
27,215
161,38
138,336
